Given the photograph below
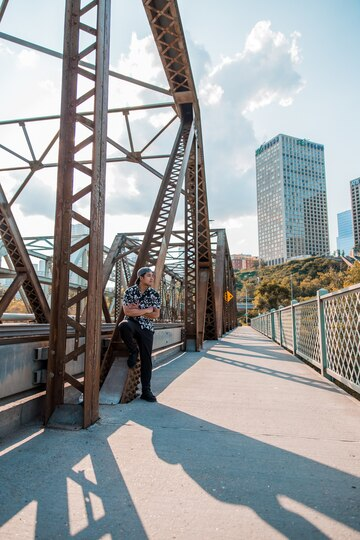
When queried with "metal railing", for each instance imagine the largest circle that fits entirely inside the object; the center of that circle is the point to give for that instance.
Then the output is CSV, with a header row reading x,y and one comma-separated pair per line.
x,y
324,331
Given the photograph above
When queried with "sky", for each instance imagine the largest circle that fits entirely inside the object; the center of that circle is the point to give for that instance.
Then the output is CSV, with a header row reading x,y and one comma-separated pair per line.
x,y
260,68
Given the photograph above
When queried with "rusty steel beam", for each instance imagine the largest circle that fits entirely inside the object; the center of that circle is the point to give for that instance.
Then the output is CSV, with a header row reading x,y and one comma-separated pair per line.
x,y
119,278
219,281
230,285
35,166
224,283
128,108
87,65
4,3
191,252
205,258
69,194
11,292
165,23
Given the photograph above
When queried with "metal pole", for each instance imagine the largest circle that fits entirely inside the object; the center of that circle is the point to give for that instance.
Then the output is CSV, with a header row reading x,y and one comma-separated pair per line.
x,y
322,332
246,305
293,322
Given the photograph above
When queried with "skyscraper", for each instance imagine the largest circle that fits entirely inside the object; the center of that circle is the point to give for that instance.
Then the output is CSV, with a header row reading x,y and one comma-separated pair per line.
x,y
345,238
355,208
291,199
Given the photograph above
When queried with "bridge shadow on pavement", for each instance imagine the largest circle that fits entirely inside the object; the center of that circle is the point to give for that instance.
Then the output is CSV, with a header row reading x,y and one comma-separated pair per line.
x,y
264,350
156,471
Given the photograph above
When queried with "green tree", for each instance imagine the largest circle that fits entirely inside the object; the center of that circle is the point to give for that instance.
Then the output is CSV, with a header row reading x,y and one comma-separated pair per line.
x,y
353,275
246,282
271,295
304,276
307,275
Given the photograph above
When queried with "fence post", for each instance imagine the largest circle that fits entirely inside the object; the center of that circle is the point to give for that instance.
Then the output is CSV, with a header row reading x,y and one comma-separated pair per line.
x,y
272,319
293,322
280,325
322,335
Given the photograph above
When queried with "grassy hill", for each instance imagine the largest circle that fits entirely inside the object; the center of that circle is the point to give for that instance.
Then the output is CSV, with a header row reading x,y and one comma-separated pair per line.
x,y
271,286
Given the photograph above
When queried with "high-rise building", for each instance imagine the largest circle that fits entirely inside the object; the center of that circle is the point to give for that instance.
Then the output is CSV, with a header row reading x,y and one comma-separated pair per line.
x,y
355,208
345,238
291,199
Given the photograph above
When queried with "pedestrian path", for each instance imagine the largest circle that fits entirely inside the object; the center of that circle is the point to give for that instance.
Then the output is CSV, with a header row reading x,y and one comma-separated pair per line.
x,y
245,442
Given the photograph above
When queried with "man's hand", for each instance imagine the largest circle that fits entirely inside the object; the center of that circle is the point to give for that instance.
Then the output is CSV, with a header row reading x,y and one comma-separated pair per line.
x,y
133,310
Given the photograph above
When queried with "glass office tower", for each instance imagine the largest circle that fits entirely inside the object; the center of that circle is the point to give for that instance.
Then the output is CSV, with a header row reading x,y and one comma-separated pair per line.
x,y
291,199
345,238
355,207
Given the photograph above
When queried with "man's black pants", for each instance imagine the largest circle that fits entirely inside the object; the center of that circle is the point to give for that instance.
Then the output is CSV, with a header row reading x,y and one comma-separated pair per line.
x,y
134,336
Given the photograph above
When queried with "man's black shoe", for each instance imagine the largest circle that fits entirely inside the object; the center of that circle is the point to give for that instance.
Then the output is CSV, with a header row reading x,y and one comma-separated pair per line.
x,y
131,361
148,396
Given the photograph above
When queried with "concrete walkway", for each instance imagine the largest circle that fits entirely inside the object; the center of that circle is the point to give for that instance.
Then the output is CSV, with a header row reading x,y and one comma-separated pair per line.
x,y
245,442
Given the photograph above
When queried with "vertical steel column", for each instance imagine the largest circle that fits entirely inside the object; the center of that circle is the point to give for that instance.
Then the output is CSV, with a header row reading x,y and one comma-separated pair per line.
x,y
207,313
173,300
191,251
118,283
230,286
91,185
220,282
224,283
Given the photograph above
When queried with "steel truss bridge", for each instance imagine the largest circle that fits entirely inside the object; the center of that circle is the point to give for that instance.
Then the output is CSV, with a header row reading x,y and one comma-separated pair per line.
x,y
192,265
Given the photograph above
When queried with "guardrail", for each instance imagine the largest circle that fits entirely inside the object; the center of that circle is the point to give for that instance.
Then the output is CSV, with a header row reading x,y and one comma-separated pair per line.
x,y
324,331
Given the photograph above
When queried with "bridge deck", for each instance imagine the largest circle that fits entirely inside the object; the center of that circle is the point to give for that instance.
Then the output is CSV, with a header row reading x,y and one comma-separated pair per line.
x,y
245,441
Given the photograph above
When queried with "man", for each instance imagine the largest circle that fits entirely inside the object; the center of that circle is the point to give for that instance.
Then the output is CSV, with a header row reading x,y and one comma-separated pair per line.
x,y
141,305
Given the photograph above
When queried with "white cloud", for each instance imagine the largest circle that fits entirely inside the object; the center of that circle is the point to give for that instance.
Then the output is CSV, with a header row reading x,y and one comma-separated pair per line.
x,y
37,199
5,50
263,73
259,35
50,88
142,62
262,98
211,93
27,58
286,102
129,191
294,50
241,233
132,189
161,119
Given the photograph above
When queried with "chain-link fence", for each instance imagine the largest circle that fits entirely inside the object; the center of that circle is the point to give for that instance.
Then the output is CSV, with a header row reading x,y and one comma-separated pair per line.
x,y
324,331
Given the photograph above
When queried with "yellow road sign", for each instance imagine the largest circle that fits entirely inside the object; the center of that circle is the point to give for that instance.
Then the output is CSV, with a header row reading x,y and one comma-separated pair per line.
x,y
228,296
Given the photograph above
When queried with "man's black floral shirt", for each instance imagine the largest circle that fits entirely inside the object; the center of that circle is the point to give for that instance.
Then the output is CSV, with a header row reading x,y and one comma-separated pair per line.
x,y
149,298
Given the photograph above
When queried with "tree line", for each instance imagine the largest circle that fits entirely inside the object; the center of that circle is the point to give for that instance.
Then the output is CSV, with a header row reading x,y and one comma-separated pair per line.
x,y
269,287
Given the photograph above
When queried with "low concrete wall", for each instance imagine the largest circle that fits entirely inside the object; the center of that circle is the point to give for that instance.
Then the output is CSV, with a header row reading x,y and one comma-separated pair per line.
x,y
166,336
23,374
21,369
23,365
